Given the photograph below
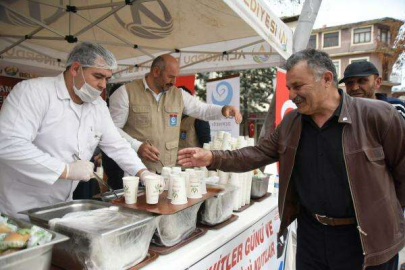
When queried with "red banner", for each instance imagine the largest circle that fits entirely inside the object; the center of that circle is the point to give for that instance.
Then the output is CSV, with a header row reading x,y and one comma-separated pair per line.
x,y
187,81
283,103
6,85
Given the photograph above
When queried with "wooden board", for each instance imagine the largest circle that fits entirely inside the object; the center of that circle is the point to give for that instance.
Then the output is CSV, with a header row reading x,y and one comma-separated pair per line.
x,y
165,207
220,225
265,196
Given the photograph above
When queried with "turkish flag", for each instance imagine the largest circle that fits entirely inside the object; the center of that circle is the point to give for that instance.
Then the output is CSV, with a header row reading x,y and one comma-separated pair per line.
x,y
283,103
187,81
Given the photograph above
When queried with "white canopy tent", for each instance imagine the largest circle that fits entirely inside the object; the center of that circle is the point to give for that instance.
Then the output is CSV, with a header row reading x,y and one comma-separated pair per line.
x,y
205,35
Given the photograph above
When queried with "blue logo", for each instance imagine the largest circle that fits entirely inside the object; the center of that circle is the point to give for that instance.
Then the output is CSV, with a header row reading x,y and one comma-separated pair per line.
x,y
173,120
183,135
223,94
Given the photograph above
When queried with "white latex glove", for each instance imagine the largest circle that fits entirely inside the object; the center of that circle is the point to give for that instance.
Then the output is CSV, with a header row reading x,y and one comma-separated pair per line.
x,y
146,173
80,170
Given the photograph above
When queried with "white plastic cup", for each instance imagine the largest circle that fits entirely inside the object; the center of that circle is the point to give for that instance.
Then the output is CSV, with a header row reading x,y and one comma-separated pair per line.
x,y
223,177
179,195
176,170
194,186
206,146
166,171
152,189
201,178
212,173
131,189
170,189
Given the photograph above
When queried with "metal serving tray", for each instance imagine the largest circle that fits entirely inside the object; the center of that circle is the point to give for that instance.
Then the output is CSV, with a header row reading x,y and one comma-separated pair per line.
x,y
259,186
219,208
100,248
31,258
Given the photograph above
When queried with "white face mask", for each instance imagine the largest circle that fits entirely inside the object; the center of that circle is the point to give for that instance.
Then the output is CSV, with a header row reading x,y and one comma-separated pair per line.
x,y
86,93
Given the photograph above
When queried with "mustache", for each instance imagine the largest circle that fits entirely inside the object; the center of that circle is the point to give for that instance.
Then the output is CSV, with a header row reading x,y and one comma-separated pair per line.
x,y
298,99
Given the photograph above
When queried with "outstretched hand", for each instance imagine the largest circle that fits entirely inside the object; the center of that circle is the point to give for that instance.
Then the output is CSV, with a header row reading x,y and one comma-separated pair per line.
x,y
232,111
195,157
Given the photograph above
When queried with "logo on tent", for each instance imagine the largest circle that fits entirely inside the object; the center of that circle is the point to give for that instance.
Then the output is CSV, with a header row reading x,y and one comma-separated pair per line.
x,y
222,94
264,48
159,23
35,10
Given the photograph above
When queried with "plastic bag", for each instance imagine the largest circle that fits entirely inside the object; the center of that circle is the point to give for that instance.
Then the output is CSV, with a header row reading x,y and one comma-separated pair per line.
x,y
174,228
99,241
219,208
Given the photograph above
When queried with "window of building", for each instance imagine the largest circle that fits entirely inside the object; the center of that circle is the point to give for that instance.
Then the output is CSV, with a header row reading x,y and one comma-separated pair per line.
x,y
312,42
385,36
362,35
337,66
359,59
331,40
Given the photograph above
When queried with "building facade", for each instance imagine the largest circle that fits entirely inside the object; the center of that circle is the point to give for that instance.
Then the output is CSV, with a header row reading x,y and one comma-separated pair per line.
x,y
368,40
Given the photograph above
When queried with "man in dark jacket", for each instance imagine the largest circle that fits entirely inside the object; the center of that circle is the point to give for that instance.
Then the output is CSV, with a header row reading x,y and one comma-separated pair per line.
x,y
342,170
363,80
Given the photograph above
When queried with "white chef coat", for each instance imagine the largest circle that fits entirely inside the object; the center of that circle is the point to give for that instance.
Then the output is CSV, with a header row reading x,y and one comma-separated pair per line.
x,y
119,109
40,130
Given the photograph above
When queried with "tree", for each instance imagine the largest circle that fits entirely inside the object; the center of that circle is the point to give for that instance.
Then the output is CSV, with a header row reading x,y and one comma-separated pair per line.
x,y
256,87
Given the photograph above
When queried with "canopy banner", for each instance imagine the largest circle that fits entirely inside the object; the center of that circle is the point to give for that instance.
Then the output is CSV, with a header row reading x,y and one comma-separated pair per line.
x,y
253,52
6,85
224,91
258,15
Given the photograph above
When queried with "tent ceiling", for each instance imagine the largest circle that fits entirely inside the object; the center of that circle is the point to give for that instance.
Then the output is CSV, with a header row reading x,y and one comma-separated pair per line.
x,y
154,25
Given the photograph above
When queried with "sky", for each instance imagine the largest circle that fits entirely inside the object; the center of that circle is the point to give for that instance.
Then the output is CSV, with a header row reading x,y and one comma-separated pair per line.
x,y
336,12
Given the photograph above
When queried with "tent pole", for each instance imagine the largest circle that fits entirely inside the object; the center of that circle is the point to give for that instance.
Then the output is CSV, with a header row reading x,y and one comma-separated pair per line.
x,y
32,20
118,37
33,37
21,40
100,6
305,24
102,18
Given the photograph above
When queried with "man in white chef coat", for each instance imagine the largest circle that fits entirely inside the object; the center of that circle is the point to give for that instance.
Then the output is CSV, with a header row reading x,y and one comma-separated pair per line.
x,y
45,121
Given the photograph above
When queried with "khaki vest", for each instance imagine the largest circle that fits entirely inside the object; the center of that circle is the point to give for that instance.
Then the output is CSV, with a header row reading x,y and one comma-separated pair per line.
x,y
158,122
188,135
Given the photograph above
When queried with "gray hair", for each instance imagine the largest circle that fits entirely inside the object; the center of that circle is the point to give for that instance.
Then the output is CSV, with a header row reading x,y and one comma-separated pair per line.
x,y
319,62
159,62
87,54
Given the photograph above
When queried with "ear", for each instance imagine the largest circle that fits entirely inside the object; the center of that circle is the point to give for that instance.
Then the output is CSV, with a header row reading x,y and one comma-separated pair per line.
x,y
378,82
156,72
328,77
74,69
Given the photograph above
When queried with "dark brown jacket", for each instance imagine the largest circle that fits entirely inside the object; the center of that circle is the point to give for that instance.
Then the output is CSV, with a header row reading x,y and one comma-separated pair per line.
x,y
374,153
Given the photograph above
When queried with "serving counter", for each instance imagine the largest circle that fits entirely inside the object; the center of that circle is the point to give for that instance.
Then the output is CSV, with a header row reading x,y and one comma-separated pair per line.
x,y
249,241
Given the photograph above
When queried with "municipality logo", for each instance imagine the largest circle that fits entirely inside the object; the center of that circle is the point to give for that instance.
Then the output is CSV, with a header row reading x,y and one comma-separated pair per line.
x,y
151,20
264,48
223,94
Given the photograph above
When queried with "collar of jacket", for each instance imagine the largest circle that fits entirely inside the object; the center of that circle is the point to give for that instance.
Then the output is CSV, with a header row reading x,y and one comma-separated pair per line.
x,y
344,116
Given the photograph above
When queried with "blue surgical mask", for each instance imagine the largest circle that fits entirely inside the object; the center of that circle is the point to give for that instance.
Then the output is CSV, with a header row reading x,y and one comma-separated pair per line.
x,y
86,93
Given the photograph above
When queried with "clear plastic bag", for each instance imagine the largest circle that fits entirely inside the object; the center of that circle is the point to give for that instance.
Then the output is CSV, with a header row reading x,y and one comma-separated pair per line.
x,y
218,208
105,238
172,229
